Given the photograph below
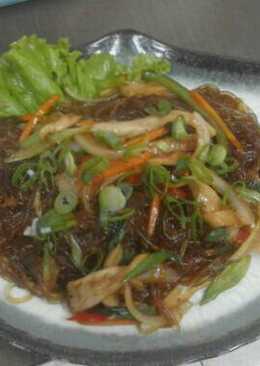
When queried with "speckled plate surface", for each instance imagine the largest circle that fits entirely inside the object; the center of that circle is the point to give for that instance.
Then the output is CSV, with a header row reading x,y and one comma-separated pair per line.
x,y
172,347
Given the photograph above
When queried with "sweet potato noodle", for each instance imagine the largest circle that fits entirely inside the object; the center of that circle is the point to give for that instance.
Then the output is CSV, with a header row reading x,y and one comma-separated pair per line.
x,y
124,206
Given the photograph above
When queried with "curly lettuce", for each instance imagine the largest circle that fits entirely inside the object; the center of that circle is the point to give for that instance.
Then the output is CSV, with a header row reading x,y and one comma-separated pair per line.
x,y
32,70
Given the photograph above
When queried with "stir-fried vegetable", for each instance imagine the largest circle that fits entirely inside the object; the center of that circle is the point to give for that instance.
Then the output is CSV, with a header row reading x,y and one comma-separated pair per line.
x,y
217,155
44,108
52,222
109,138
178,129
111,199
65,202
120,166
156,178
204,105
230,277
148,263
249,195
93,167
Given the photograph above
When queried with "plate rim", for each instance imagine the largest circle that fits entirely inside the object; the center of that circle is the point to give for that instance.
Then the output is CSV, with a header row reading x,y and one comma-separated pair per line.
x,y
163,357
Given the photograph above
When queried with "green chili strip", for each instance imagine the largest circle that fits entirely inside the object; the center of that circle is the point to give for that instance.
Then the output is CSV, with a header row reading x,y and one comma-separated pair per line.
x,y
249,195
148,263
228,278
176,88
184,94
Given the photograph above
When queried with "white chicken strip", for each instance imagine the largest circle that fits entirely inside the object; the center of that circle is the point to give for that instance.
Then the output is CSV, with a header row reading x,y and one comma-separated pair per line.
x,y
90,290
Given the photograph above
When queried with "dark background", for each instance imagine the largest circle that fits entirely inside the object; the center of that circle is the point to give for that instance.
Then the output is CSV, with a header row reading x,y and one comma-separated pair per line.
x,y
224,27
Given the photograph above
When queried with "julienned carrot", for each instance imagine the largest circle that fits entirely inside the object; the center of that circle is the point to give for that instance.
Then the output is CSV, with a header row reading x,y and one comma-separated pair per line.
x,y
35,118
121,166
201,101
153,215
147,137
26,117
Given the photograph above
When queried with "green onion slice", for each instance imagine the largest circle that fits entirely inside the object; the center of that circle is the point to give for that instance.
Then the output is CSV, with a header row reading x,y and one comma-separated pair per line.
x,y
93,167
65,202
109,138
111,199
217,155
178,129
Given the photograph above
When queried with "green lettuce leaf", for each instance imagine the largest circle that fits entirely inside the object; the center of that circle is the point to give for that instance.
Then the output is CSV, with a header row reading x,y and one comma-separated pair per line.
x,y
32,70
144,63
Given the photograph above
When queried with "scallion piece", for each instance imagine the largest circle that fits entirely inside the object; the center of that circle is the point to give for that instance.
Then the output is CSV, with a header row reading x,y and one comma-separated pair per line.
x,y
69,162
93,167
111,199
109,138
217,155
65,202
203,152
134,150
249,195
148,263
52,222
176,88
156,178
178,129
200,171
162,109
218,235
24,176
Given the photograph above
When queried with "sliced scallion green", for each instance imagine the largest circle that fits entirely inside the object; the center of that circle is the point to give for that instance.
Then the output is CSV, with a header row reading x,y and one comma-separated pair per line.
x,y
109,138
200,171
156,177
24,176
178,129
111,199
249,195
52,222
65,202
161,109
217,155
203,152
148,263
93,167
69,162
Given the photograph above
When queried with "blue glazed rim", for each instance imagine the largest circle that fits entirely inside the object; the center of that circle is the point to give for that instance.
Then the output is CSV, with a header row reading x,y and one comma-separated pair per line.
x,y
10,2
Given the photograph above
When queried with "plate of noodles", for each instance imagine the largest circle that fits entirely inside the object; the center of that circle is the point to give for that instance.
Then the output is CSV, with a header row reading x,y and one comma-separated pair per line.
x,y
129,201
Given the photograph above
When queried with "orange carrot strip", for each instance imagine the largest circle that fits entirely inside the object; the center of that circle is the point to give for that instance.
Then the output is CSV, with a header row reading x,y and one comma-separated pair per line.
x,y
154,214
26,117
43,109
147,137
201,101
121,166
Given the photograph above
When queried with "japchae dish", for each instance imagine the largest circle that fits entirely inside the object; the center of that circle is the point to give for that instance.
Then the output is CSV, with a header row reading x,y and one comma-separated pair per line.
x,y
122,192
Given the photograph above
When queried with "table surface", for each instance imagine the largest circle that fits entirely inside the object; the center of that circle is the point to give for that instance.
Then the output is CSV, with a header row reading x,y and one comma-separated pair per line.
x,y
218,26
